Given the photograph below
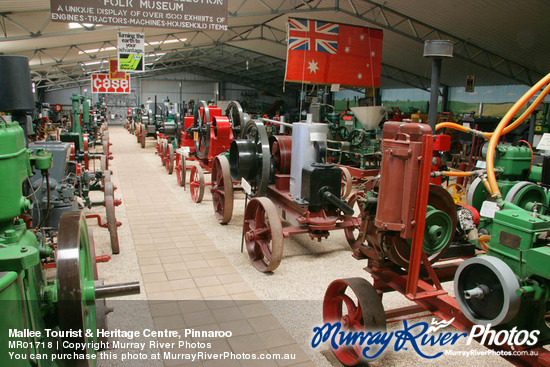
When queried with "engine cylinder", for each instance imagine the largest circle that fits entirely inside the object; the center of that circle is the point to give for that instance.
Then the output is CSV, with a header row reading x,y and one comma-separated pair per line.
x,y
399,176
309,143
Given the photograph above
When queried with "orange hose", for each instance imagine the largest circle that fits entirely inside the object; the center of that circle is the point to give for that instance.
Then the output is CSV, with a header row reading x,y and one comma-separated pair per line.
x,y
532,155
452,125
495,191
482,242
456,174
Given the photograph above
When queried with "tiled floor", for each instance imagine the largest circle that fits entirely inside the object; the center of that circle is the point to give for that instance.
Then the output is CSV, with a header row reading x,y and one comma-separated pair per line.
x,y
193,283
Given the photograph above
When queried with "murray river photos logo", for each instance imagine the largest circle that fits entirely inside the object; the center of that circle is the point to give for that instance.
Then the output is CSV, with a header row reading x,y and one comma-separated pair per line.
x,y
419,337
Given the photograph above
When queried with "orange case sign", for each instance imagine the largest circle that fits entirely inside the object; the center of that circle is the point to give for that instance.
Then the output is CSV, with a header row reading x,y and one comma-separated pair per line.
x,y
102,84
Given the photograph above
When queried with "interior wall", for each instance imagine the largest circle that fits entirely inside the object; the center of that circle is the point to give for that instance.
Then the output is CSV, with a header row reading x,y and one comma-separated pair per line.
x,y
177,90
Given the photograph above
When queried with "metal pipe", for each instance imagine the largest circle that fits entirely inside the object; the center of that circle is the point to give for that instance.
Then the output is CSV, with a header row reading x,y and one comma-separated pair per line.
x,y
434,92
276,122
117,290
531,136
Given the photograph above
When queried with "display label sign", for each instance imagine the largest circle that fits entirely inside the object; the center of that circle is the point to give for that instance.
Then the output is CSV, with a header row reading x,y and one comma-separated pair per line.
x,y
131,51
544,143
200,15
114,73
102,84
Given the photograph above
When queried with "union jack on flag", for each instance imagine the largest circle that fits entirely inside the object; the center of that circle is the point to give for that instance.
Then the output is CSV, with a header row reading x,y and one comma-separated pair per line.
x,y
313,35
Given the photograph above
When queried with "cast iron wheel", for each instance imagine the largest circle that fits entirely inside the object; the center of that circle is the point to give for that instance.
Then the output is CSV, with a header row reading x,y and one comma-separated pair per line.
x,y
201,125
162,150
347,182
255,131
235,114
356,236
143,136
222,189
105,177
281,148
263,233
104,163
527,195
357,306
485,289
111,217
138,132
75,281
105,142
400,249
169,158
181,172
196,184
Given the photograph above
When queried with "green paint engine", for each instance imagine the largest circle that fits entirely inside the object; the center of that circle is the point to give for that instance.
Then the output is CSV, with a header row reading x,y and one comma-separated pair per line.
x,y
510,285
42,316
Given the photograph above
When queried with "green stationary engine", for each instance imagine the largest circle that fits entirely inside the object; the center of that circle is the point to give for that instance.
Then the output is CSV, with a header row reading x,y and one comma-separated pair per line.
x,y
517,179
509,287
40,315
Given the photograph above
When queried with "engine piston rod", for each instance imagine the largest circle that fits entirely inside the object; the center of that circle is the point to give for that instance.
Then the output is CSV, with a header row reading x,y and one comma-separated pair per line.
x,y
116,290
277,122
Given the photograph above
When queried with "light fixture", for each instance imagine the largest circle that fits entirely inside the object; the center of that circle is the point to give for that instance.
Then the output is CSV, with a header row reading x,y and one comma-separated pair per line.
x,y
82,25
93,63
93,50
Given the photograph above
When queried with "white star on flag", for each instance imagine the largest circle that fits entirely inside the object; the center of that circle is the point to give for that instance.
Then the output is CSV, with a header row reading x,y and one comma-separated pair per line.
x,y
346,50
368,65
313,66
373,53
362,37
359,76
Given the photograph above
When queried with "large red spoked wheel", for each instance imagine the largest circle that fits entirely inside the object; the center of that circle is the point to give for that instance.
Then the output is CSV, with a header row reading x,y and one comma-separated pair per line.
x,y
222,189
111,218
196,184
181,170
357,306
169,158
138,132
263,233
105,142
356,235
104,160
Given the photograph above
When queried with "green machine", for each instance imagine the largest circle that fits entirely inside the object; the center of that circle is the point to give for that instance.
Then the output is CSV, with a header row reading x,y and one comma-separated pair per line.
x,y
509,286
354,136
44,313
517,180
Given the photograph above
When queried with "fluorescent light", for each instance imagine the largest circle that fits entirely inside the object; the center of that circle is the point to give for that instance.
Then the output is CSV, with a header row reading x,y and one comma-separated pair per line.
x,y
78,25
166,41
93,63
93,50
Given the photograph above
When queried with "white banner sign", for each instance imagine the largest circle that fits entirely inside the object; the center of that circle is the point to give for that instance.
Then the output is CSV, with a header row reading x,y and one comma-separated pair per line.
x,y
131,51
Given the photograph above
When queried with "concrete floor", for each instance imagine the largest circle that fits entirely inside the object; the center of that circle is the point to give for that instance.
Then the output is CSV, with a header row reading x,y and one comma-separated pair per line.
x,y
194,274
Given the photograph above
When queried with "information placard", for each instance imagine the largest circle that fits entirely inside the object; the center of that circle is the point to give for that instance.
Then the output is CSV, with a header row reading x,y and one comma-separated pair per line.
x,y
203,15
131,51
